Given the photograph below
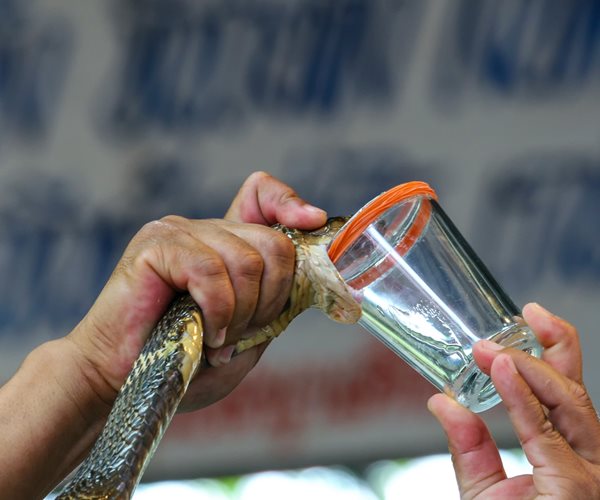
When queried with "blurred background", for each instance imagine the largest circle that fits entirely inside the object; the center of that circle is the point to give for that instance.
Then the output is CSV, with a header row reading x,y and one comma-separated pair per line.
x,y
114,113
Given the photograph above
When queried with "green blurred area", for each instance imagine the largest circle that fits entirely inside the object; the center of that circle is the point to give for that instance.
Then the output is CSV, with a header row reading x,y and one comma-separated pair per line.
x,y
418,478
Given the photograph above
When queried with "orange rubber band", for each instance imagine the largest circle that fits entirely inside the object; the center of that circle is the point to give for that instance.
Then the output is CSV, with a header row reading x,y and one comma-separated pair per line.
x,y
361,220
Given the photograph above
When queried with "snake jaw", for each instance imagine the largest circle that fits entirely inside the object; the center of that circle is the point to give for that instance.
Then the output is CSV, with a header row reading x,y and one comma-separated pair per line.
x,y
331,294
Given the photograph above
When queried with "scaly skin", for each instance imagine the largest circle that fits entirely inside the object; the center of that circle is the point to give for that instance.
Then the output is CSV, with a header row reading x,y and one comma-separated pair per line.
x,y
159,378
316,284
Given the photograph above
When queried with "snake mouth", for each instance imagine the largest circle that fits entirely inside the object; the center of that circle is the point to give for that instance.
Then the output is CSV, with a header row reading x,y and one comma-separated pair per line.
x,y
344,317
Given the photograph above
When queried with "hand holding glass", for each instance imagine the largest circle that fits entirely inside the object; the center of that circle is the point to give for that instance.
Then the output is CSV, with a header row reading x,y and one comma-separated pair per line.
x,y
424,292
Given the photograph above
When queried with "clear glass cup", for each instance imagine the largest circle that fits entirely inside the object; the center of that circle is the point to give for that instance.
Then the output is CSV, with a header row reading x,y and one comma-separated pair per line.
x,y
426,295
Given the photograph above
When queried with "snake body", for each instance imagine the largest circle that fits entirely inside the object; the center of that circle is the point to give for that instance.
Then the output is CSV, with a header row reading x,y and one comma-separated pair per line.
x,y
171,357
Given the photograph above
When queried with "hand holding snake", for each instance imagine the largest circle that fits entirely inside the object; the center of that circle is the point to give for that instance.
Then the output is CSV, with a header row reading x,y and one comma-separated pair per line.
x,y
238,270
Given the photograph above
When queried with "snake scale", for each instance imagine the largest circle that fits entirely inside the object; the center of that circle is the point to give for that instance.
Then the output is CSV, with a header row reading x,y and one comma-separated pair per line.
x,y
171,357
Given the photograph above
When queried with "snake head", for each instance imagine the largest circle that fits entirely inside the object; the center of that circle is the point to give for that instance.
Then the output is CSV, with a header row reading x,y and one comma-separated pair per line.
x,y
330,292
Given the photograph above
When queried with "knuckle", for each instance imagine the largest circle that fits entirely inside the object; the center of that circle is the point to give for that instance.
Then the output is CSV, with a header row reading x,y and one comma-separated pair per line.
x,y
280,256
547,427
250,265
257,177
159,230
283,193
220,306
150,254
287,194
278,279
147,246
210,265
579,394
570,335
155,231
277,245
174,221
212,288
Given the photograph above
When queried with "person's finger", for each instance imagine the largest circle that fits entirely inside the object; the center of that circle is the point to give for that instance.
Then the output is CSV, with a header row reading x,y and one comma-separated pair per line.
x,y
570,408
545,448
260,266
559,339
265,200
210,273
279,257
244,264
220,356
476,459
214,383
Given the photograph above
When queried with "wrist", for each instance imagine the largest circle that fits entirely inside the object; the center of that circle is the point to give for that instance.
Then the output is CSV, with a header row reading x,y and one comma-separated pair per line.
x,y
70,400
86,400
50,416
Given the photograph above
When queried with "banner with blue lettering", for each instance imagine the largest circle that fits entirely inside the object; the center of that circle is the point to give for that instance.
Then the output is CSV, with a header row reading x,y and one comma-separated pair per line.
x,y
115,113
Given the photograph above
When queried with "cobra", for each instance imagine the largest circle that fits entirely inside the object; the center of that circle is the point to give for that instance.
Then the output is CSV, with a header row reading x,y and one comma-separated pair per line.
x,y
172,356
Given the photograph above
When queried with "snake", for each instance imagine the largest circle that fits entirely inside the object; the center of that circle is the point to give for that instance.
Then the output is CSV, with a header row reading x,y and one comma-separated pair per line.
x,y
173,355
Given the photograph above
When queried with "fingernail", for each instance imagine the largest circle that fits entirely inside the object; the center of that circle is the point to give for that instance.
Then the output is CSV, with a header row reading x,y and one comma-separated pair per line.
x,y
490,346
548,316
219,338
431,406
226,353
545,312
315,210
541,309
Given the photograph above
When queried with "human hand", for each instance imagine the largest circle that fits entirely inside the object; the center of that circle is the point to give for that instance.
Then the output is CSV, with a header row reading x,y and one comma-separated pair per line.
x,y
551,412
238,271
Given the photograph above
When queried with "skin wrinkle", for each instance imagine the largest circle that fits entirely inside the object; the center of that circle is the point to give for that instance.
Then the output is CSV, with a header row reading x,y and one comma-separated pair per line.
x,y
541,434
269,309
565,485
254,180
247,276
557,336
251,276
483,483
269,211
101,345
77,405
212,268
88,365
250,206
564,412
510,377
256,201
99,334
459,448
140,318
474,449
579,395
559,410
278,276
71,390
280,251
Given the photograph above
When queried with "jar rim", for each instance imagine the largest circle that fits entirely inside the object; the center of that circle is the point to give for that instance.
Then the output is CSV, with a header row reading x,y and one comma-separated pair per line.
x,y
373,209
